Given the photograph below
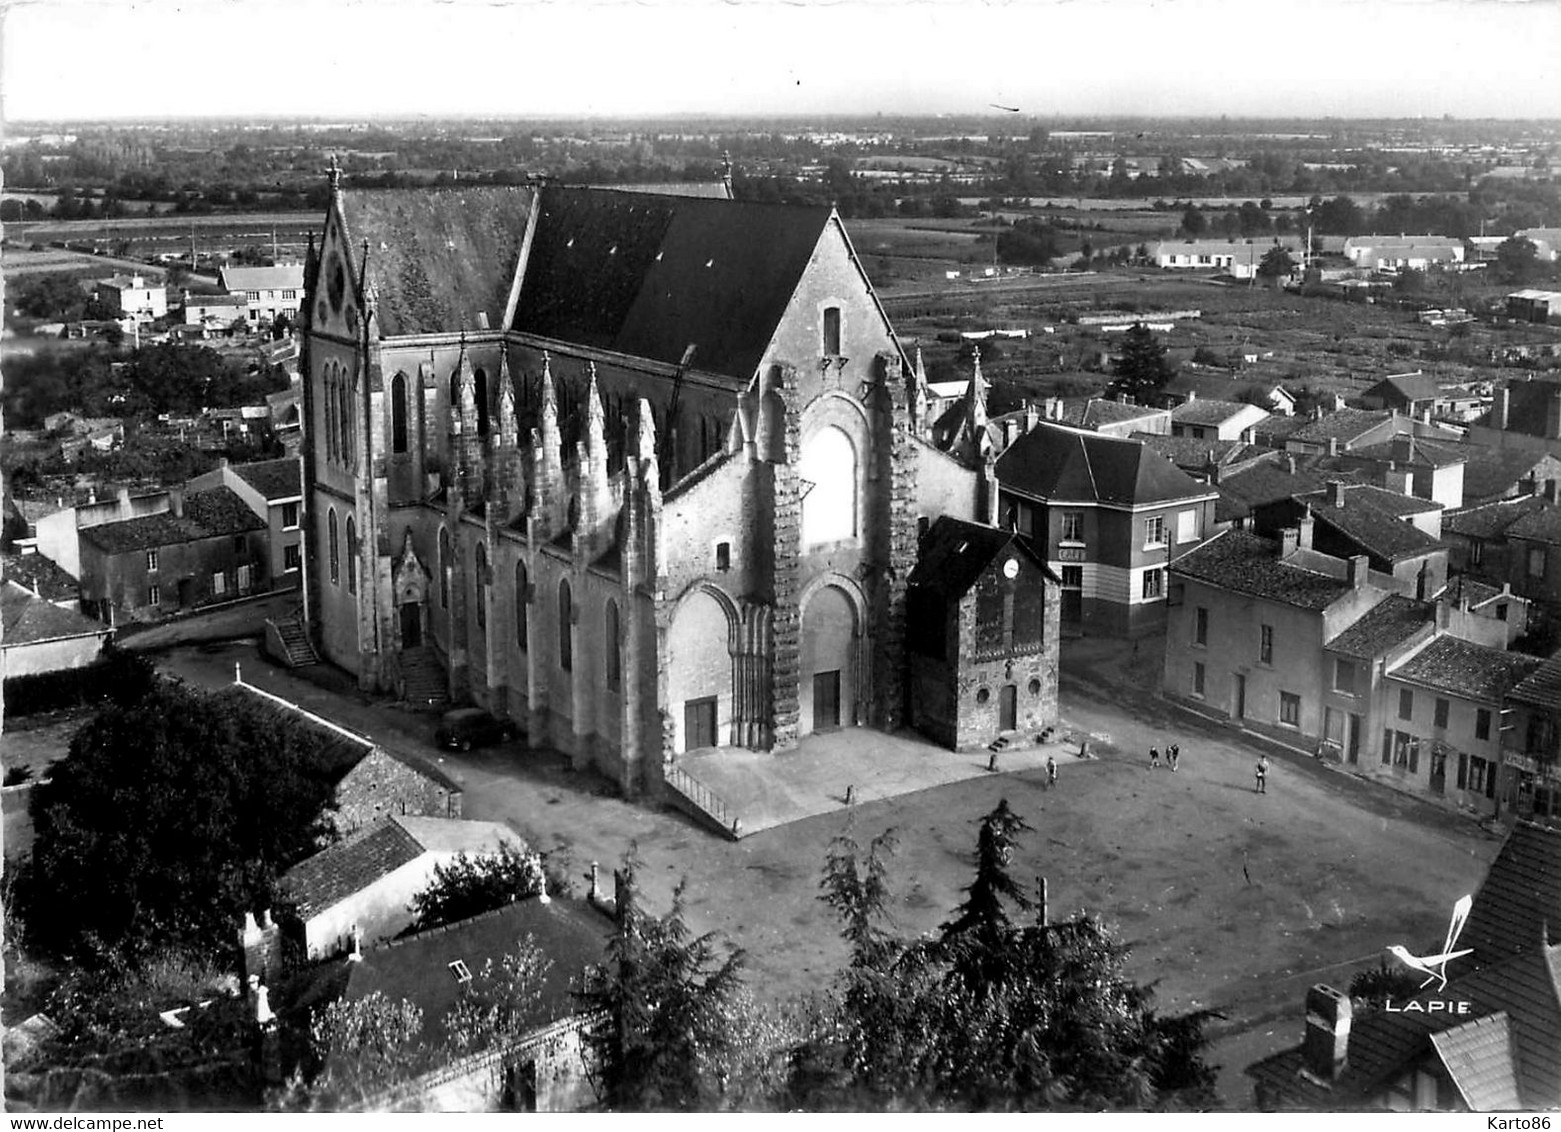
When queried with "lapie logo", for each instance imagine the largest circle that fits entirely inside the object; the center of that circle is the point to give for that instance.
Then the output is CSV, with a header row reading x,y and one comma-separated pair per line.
x,y
1435,966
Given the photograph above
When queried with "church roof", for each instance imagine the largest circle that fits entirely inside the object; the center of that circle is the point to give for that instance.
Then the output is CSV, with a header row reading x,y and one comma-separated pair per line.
x,y
650,276
438,257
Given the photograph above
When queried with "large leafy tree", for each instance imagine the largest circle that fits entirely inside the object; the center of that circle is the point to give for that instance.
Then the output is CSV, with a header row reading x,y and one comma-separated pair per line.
x,y
1517,260
992,1012
1277,263
171,816
1140,370
471,885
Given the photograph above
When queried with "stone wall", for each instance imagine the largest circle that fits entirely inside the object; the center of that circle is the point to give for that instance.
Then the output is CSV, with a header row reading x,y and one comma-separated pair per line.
x,y
383,786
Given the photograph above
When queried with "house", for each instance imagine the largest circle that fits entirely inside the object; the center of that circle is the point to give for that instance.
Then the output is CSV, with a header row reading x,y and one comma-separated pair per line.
x,y
1490,474
37,636
1203,419
1533,305
1342,430
1504,616
43,576
360,889
1489,1040
1219,387
215,313
1396,253
982,612
1412,394
1546,241
1107,515
133,296
208,547
273,489
1411,465
1476,537
1240,258
58,528
615,465
269,293
1524,415
1530,785
1533,544
1109,418
1207,461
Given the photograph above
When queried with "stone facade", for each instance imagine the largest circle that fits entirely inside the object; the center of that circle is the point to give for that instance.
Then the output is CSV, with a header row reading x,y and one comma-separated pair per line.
x,y
381,785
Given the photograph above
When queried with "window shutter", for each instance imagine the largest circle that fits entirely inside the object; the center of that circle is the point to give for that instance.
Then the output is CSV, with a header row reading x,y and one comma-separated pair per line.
x,y
1414,755
1463,770
1387,746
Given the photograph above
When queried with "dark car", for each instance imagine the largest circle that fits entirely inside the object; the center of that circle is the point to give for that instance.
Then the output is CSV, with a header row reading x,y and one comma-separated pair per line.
x,y
465,728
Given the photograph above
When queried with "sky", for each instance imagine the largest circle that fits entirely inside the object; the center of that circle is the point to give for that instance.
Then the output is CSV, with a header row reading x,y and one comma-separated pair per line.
x,y
551,58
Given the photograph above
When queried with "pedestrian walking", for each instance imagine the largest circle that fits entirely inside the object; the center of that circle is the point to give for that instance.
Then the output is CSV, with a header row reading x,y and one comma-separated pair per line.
x,y
1051,772
1173,755
1262,774
1154,758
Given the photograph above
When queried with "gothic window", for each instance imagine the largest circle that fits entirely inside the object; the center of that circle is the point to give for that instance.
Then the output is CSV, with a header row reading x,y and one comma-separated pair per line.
x,y
566,643
329,388
522,600
832,332
352,555
330,523
444,569
481,387
828,470
479,587
398,414
613,645
455,391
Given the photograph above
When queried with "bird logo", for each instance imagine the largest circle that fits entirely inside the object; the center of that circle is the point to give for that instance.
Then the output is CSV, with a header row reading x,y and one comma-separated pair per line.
x,y
1435,966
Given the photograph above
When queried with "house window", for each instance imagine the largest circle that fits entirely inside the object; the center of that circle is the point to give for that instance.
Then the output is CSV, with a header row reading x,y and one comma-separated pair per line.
x,y
1265,644
352,555
289,516
1187,526
611,642
832,332
1482,723
566,636
1536,562
219,584
1501,612
1406,704
243,578
1154,531
154,594
1154,583
723,556
289,296
1289,709
1333,727
1198,677
1441,713
292,557
1476,551
1073,526
1073,577
252,296
151,560
330,524
238,544
1482,777
398,413
1344,676
1200,633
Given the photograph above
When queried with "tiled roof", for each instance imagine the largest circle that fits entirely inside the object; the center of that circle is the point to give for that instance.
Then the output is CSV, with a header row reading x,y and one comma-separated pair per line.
x,y
1202,412
572,934
1388,624
1542,688
1093,412
1422,453
1374,519
1480,1059
439,257
954,553
1540,525
1462,668
1461,587
207,514
284,276
1490,520
1528,405
1068,465
1191,454
273,479
1343,424
1217,387
29,619
1244,563
38,572
1520,899
650,276
1269,482
1409,386
1492,472
1527,987
1278,428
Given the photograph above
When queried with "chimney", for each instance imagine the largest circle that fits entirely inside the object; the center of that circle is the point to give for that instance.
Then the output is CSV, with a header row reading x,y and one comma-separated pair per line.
x,y
1553,414
1359,571
1290,463
1499,409
355,945
1031,416
1192,395
1335,493
176,502
482,320
1333,446
1305,530
1398,481
1404,448
1325,1048
1444,615
1289,539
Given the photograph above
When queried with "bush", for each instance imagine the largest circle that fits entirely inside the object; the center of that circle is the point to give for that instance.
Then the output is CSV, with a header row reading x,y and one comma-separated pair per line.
x,y
121,676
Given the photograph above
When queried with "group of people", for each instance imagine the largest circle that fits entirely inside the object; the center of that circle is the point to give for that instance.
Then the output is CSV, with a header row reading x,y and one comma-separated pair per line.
x,y
1173,756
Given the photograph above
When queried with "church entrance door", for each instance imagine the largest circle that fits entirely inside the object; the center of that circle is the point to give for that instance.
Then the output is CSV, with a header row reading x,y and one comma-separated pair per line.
x,y
699,723
411,625
1008,707
826,700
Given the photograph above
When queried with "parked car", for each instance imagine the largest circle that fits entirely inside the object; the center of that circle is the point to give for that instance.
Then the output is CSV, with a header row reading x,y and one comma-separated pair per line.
x,y
465,728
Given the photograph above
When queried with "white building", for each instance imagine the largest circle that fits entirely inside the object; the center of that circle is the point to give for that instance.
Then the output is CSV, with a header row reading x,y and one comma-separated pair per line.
x,y
1397,253
268,291
1234,257
133,296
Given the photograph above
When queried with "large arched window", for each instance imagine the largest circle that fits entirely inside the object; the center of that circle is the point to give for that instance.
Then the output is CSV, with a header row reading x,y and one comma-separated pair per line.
x,y
352,555
566,633
329,388
398,413
455,391
522,601
481,389
330,524
480,584
613,647
344,417
444,569
828,469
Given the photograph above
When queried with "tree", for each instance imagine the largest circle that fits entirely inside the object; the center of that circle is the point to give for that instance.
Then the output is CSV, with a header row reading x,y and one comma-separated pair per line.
x,y
1140,371
1277,263
357,1048
53,295
1517,260
470,886
1194,224
669,1006
499,1002
170,818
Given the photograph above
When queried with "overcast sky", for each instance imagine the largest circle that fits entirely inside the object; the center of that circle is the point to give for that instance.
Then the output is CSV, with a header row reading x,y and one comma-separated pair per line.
x,y
1401,58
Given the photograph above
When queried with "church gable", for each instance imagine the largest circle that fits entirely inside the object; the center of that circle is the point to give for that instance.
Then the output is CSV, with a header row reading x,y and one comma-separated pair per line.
x,y
336,304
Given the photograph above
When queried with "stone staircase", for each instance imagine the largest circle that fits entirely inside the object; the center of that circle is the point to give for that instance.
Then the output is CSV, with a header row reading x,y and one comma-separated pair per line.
x,y
288,642
423,680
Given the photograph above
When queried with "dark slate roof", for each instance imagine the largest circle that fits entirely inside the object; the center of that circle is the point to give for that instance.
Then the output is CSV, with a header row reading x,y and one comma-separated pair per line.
x,y
649,275
1244,563
1409,386
1269,482
207,514
1490,472
954,553
1384,627
1209,412
1491,520
1540,525
1191,454
1461,587
571,933
37,571
1374,519
28,619
1528,403
349,866
1480,1058
274,479
1520,898
1092,412
1422,454
1343,424
436,257
1462,668
1278,428
1068,465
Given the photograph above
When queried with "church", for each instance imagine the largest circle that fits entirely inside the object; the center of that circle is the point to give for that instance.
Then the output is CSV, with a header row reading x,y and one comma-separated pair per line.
x,y
644,473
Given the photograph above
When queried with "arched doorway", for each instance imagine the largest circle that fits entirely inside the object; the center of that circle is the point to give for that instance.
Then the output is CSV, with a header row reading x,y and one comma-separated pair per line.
x,y
827,693
699,673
